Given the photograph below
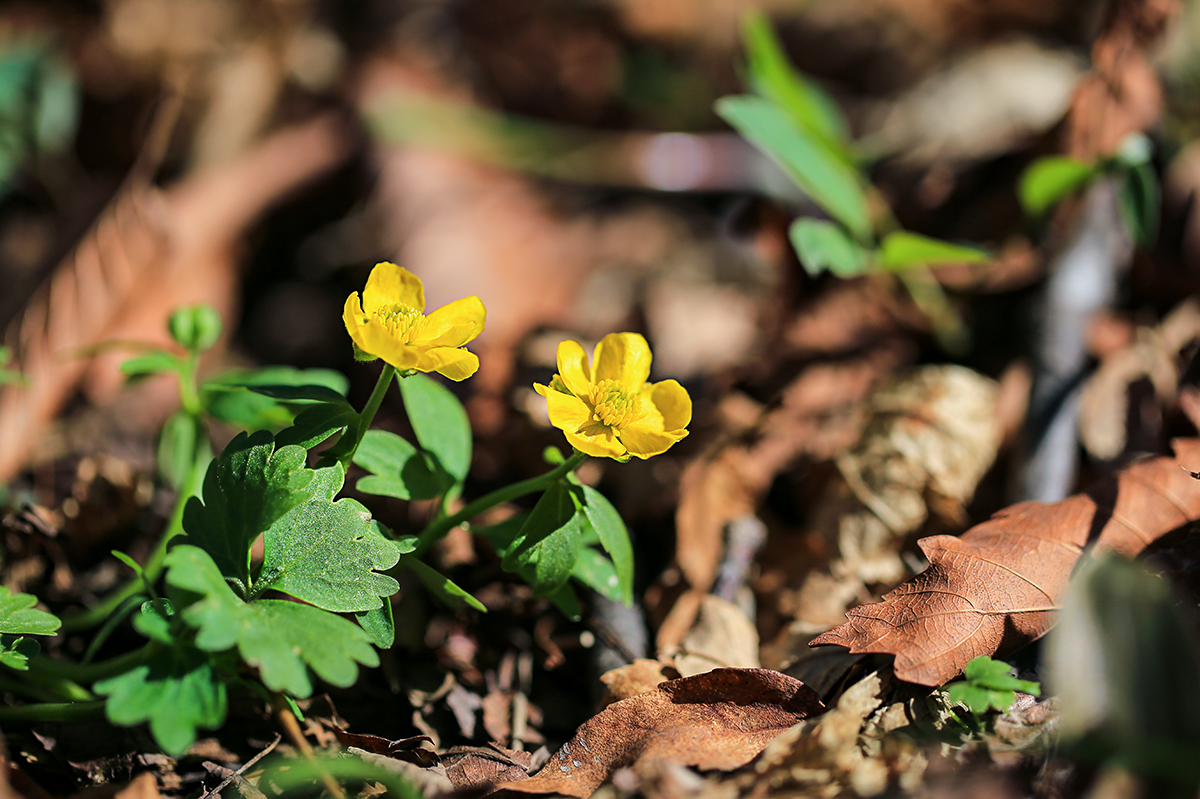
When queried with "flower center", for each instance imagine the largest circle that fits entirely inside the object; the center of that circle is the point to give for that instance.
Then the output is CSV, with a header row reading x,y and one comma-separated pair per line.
x,y
614,404
400,321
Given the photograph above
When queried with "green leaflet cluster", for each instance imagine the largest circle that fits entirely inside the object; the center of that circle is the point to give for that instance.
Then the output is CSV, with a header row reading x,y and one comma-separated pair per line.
x,y
328,553
18,619
795,123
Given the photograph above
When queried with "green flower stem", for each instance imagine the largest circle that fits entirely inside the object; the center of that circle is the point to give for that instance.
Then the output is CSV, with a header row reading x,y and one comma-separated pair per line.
x,y
88,673
53,711
369,410
189,391
192,481
439,527
29,687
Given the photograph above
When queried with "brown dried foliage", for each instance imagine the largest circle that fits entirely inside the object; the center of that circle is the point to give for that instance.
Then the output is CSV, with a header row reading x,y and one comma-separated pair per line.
x,y
718,720
995,588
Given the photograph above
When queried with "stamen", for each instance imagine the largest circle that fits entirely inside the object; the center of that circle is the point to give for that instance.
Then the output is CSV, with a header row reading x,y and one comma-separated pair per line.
x,y
613,404
401,321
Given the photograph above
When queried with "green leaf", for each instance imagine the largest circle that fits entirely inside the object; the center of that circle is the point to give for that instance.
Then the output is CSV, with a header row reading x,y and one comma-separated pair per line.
x,y
904,250
18,616
441,586
152,363
228,396
328,553
598,573
296,393
181,435
773,77
554,559
281,639
440,423
996,674
16,650
979,698
825,245
380,624
317,423
178,691
398,469
154,621
830,183
557,509
247,488
1051,178
1139,201
614,537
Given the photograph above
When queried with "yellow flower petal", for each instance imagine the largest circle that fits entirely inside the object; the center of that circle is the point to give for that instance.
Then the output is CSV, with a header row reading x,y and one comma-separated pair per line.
x,y
568,413
598,440
624,357
454,363
374,339
645,442
455,324
573,368
673,403
389,284
351,312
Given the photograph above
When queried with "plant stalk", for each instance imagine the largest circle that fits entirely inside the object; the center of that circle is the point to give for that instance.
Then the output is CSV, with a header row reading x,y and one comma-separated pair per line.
x,y
438,528
53,711
369,410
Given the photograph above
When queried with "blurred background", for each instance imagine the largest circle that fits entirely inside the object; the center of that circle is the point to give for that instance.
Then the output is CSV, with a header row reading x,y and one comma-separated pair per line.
x,y
562,159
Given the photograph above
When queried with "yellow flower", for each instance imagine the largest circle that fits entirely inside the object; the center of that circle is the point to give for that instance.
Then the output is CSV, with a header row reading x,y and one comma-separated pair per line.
x,y
608,409
391,324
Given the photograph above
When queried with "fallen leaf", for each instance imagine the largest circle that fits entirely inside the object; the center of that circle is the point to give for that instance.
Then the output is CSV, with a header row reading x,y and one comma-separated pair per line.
x,y
723,636
477,766
144,786
718,720
638,677
150,251
995,588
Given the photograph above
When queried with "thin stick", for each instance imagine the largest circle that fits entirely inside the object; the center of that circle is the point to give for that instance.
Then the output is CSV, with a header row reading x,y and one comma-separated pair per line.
x,y
292,727
244,768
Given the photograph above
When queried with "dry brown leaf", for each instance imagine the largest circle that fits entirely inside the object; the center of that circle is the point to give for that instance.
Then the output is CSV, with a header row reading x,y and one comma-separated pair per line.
x,y
1108,425
638,677
150,252
1122,95
718,720
479,767
996,587
722,637
931,436
144,786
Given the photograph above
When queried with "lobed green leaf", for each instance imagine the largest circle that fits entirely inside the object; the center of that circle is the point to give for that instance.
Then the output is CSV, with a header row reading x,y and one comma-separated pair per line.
x,y
178,692
247,488
328,553
282,639
18,616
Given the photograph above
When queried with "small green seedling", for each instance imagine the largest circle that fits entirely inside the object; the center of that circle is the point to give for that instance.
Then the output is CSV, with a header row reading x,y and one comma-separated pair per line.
x,y
989,685
791,120
19,618
1051,179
